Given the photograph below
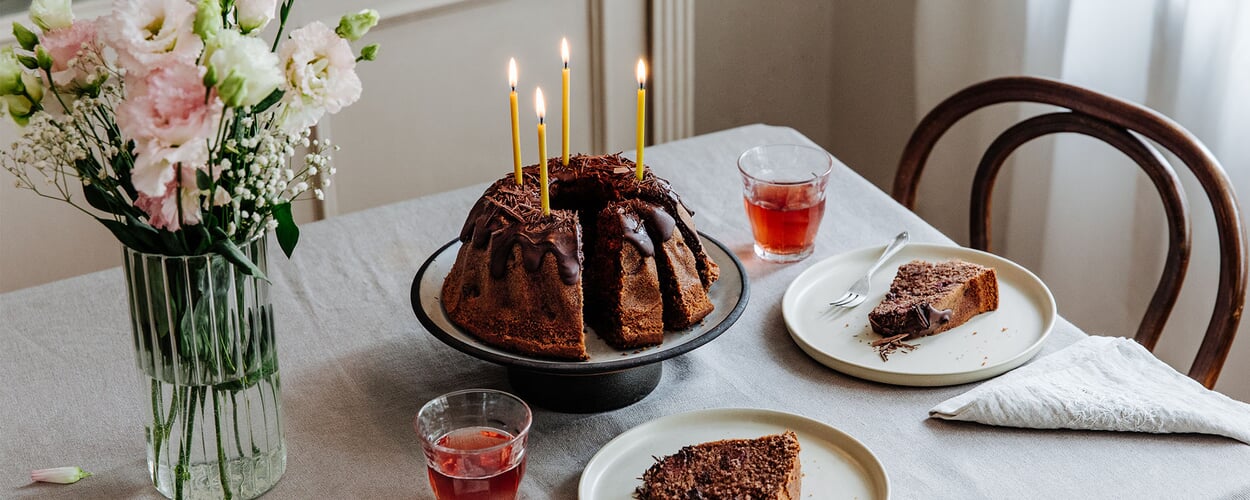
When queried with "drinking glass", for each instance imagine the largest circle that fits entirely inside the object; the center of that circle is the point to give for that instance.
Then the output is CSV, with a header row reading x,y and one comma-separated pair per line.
x,y
474,442
783,187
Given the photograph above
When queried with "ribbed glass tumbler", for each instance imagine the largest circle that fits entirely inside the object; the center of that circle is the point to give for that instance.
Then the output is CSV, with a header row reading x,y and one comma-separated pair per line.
x,y
204,345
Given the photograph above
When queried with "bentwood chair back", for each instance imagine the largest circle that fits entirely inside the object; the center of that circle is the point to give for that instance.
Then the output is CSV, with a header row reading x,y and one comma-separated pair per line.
x,y
1123,125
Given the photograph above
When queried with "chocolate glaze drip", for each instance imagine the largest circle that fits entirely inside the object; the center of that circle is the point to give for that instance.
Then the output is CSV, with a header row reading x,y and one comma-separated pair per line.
x,y
508,214
930,319
660,220
635,232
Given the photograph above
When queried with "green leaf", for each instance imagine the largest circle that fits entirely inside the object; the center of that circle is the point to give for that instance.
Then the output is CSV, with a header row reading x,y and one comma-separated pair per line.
x,y
232,253
98,198
287,232
268,101
202,180
127,237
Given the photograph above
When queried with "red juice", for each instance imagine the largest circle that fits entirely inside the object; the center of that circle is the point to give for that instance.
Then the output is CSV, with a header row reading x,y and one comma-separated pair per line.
x,y
477,476
783,218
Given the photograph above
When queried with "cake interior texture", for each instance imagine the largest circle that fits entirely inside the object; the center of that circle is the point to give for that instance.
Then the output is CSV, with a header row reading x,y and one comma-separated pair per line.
x,y
619,254
762,468
927,298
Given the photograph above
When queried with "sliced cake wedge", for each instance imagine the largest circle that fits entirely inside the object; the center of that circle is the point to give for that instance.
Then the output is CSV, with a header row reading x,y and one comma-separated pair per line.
x,y
765,468
927,298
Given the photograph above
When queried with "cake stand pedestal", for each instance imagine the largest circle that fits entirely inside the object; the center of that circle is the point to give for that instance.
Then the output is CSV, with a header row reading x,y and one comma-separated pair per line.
x,y
589,393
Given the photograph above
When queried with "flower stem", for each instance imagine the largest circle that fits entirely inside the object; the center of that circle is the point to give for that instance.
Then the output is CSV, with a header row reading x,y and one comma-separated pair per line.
x,y
221,449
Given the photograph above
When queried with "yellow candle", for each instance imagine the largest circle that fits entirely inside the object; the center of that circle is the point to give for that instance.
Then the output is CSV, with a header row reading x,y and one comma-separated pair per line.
x,y
564,111
541,108
516,126
642,113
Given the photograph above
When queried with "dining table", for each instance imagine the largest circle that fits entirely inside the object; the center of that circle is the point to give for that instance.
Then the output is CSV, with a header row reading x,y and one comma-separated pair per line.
x,y
356,365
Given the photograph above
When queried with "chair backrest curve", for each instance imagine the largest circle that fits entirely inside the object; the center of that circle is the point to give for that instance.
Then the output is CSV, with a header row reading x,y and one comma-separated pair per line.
x,y
1147,123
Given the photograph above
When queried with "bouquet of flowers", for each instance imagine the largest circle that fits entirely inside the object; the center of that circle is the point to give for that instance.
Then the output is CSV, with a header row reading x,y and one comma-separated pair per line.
x,y
173,122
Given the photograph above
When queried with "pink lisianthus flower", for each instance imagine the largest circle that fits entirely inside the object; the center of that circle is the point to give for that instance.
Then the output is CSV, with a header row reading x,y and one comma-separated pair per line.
x,y
168,106
148,34
153,168
320,71
75,56
163,210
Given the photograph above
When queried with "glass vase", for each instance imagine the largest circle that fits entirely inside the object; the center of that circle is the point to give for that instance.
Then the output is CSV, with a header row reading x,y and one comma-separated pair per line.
x,y
204,345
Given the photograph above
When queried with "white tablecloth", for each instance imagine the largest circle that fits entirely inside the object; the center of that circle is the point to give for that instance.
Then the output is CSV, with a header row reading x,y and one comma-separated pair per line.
x,y
356,365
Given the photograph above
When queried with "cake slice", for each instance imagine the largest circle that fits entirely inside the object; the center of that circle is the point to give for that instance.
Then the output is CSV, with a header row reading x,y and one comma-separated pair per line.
x,y
685,295
623,301
927,298
765,468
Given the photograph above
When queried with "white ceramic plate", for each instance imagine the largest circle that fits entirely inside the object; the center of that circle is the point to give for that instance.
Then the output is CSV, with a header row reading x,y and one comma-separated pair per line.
x,y
834,464
986,346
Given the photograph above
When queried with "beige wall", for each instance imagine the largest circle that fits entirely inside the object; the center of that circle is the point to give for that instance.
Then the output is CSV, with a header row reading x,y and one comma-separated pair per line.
x,y
841,72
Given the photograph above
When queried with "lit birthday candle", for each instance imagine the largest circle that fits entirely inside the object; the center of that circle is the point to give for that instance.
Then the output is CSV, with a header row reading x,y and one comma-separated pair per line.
x,y
516,126
564,111
642,113
541,108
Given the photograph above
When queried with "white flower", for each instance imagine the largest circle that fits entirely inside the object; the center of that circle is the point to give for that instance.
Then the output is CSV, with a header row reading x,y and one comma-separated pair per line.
x,y
247,72
154,165
150,33
51,14
61,475
254,15
320,71
221,197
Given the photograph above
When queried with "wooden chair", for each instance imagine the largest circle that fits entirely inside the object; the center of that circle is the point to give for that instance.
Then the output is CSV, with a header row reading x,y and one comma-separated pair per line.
x,y
1123,125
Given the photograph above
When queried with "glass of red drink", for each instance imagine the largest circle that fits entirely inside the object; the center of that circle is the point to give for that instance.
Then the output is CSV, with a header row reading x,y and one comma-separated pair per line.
x,y
783,187
474,442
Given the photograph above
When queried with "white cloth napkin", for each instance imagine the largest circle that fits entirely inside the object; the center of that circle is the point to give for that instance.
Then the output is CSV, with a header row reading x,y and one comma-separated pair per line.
x,y
1100,383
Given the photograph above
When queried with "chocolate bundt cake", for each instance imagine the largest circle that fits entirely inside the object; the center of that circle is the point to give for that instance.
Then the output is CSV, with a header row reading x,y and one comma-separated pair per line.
x,y
622,252
765,468
927,298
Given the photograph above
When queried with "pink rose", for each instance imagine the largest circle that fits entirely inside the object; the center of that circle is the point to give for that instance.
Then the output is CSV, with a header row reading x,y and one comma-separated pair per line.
x,y
320,70
163,210
148,34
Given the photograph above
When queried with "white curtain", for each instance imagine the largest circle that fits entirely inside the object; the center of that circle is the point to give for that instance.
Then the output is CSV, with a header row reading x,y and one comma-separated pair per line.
x,y
1072,209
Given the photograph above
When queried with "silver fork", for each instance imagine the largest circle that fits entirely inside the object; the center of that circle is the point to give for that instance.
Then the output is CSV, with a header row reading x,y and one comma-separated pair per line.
x,y
859,290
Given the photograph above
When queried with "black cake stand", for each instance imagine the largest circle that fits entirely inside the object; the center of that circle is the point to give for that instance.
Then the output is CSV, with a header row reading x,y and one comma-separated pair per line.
x,y
610,379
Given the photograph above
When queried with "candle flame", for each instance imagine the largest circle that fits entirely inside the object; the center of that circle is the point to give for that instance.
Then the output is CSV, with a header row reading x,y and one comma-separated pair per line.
x,y
564,51
512,72
642,74
540,106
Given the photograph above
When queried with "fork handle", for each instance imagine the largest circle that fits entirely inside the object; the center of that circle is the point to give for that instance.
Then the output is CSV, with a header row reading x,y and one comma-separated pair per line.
x,y
899,242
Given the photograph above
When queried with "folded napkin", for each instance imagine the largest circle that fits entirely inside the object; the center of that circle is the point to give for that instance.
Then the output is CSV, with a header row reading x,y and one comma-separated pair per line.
x,y
1100,383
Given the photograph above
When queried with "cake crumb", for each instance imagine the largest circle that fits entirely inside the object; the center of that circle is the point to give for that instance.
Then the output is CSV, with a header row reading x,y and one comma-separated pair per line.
x,y
974,333
889,345
1004,329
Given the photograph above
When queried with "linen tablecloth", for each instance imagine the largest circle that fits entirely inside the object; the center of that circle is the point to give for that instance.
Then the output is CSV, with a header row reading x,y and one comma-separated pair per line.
x,y
356,365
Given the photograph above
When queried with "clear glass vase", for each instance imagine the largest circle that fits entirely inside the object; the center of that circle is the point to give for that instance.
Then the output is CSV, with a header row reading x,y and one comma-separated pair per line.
x,y
204,345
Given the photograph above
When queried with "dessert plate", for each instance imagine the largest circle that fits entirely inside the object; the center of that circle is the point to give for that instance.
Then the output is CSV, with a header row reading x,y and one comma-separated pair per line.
x,y
986,346
834,464
729,294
